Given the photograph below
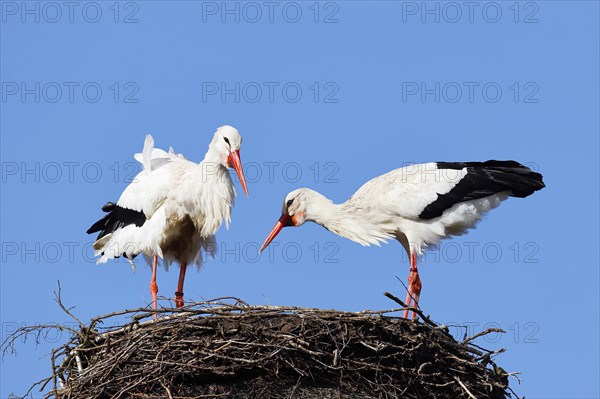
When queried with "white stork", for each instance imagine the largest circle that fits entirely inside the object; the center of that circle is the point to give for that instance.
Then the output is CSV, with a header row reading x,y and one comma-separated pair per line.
x,y
418,205
173,207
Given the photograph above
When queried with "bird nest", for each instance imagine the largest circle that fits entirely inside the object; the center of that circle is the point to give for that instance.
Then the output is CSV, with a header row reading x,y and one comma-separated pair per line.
x,y
229,349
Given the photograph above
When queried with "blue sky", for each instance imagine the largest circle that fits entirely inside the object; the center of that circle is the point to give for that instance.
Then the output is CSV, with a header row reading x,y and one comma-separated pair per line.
x,y
326,95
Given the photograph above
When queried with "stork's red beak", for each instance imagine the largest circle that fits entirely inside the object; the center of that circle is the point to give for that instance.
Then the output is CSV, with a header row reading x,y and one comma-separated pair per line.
x,y
234,160
284,220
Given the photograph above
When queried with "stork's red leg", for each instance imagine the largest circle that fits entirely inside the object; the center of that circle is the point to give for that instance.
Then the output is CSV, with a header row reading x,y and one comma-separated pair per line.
x,y
179,292
408,300
414,285
153,285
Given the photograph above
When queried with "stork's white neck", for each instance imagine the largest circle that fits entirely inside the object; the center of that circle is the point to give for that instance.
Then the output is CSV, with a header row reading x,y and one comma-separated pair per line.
x,y
213,192
346,221
212,155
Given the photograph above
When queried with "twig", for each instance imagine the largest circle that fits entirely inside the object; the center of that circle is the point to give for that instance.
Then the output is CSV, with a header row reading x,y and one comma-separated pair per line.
x,y
416,310
484,332
58,300
167,390
465,388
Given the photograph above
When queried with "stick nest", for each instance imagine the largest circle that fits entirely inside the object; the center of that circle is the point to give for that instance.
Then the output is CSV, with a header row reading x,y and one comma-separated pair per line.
x,y
228,349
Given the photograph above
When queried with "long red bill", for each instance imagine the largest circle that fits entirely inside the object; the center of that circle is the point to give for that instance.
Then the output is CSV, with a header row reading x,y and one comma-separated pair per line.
x,y
283,221
235,161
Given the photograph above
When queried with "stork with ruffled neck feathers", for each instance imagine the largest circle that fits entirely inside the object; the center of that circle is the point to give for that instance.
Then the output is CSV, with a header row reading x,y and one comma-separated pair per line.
x,y
173,208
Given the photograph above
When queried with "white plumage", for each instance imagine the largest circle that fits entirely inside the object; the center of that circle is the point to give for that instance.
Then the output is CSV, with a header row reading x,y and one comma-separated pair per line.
x,y
417,205
173,207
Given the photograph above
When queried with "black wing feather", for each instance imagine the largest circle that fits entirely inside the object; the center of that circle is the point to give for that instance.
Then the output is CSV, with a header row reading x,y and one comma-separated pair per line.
x,y
482,180
116,218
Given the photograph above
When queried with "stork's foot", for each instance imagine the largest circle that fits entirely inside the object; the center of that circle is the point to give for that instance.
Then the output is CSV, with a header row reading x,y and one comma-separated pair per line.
x,y
414,291
179,292
414,284
179,299
154,286
154,292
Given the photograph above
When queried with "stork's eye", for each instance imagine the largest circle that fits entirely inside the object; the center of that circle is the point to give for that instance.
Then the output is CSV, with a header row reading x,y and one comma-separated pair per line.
x,y
289,203
227,141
